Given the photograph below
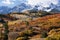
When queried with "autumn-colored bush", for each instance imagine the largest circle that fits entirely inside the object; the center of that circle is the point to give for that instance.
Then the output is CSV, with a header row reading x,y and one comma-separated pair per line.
x,y
54,36
20,38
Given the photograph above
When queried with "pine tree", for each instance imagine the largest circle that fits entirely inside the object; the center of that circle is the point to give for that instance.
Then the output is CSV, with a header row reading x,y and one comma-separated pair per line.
x,y
6,31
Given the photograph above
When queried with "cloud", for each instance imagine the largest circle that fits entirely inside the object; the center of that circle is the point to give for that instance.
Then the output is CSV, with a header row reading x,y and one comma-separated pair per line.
x,y
7,2
44,3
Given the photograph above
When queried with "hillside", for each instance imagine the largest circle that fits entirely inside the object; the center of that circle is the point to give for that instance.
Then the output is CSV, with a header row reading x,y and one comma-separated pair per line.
x,y
39,25
7,17
31,27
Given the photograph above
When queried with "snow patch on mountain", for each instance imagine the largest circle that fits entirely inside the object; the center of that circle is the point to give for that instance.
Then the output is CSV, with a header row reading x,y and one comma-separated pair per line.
x,y
43,4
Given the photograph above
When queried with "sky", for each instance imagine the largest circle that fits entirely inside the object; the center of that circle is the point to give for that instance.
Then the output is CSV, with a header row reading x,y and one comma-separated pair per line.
x,y
11,3
43,3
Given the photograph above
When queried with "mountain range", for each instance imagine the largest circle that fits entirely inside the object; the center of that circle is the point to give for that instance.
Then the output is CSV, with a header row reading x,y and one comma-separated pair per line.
x,y
23,6
18,8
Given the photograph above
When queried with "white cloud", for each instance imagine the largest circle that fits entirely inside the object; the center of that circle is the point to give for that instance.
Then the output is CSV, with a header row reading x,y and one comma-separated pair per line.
x,y
14,0
54,1
44,3
7,2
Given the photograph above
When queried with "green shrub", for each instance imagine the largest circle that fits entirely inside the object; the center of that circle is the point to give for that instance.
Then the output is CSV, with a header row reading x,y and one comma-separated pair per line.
x,y
6,31
44,34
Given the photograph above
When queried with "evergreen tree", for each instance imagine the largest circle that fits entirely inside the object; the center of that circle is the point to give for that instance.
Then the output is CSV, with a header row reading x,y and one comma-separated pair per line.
x,y
6,31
